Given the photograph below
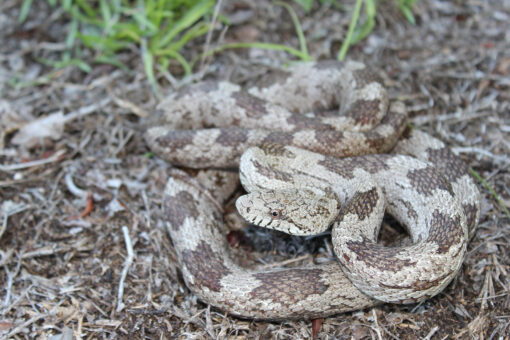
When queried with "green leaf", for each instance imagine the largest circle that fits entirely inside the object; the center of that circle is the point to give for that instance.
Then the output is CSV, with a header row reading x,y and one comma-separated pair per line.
x,y
66,62
67,4
491,190
409,15
102,43
112,60
306,4
191,16
352,25
148,61
297,25
71,36
25,8
194,32
177,56
261,45
86,8
105,11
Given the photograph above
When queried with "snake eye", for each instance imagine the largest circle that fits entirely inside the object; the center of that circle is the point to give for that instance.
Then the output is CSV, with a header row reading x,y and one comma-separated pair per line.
x,y
275,213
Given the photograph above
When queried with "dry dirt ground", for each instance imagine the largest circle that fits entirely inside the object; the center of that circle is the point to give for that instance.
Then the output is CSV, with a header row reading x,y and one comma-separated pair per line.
x,y
68,199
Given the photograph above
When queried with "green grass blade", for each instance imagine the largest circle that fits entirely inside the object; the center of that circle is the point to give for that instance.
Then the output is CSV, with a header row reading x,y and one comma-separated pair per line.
x,y
191,16
71,36
148,65
25,8
177,56
406,7
306,4
409,15
267,46
194,32
347,42
66,62
362,32
67,4
105,11
297,25
491,190
112,60
89,11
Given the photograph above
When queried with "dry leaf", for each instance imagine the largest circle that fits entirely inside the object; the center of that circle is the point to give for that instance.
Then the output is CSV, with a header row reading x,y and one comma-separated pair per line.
x,y
36,131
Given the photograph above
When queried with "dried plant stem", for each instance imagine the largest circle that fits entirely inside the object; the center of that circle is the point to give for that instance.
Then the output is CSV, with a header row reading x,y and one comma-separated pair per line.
x,y
127,264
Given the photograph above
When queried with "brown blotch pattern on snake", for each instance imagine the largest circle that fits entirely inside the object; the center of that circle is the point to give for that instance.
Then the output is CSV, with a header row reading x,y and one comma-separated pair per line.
x,y
366,76
378,256
427,180
229,137
445,231
269,172
452,166
362,204
289,286
206,266
176,140
276,149
179,207
358,111
254,107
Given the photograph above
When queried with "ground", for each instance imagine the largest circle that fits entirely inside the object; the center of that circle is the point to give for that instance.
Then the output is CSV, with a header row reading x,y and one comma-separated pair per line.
x,y
68,199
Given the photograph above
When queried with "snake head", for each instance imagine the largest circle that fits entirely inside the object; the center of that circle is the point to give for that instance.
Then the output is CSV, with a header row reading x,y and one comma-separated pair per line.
x,y
295,212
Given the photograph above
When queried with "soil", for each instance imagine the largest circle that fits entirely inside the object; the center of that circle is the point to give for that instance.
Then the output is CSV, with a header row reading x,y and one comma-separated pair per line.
x,y
73,198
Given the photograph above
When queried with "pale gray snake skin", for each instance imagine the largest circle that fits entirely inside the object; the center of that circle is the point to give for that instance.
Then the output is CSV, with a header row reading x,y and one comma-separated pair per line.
x,y
285,139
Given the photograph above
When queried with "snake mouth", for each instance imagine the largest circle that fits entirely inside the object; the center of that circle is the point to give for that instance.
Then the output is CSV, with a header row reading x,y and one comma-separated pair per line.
x,y
243,205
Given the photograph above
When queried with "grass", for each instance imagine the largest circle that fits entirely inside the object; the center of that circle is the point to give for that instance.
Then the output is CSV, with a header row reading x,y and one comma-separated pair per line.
x,y
159,28
162,28
491,191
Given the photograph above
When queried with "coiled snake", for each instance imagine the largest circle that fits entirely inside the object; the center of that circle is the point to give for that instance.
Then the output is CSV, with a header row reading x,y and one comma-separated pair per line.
x,y
291,149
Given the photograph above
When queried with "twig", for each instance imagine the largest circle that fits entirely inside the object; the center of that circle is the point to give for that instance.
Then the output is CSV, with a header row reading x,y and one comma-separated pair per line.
x,y
54,158
126,104
431,333
209,33
468,149
127,264
376,328
73,188
81,245
10,280
25,324
277,264
85,110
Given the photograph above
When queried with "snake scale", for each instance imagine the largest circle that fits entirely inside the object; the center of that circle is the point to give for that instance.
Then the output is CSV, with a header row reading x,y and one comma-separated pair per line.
x,y
317,144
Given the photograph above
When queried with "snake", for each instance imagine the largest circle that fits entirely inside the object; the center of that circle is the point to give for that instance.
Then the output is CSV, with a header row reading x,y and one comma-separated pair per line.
x,y
318,145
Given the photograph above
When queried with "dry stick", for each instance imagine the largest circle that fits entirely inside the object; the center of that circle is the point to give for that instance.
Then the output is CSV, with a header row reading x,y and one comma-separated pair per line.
x,y
54,158
127,264
73,188
209,33
283,263
431,333
27,323
376,328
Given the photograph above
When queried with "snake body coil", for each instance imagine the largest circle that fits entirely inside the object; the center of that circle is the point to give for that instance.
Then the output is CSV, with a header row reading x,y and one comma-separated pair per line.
x,y
284,138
